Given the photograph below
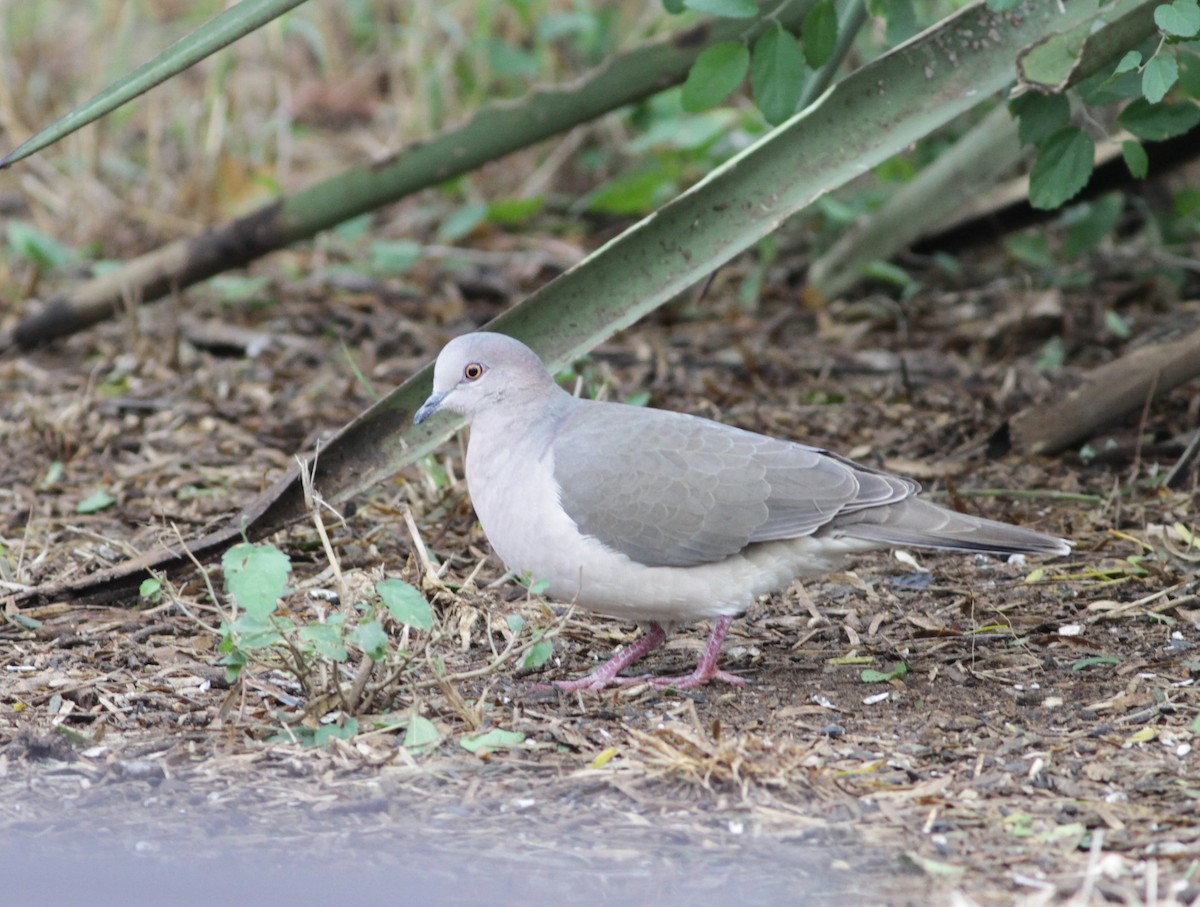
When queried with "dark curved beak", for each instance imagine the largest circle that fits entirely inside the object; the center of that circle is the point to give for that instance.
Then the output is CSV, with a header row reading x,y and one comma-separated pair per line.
x,y
429,407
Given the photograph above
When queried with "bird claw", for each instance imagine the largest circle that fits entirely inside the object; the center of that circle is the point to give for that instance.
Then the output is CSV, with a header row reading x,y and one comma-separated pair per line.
x,y
593,684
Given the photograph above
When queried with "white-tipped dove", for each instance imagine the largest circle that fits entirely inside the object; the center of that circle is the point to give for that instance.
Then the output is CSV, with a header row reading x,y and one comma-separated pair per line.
x,y
663,518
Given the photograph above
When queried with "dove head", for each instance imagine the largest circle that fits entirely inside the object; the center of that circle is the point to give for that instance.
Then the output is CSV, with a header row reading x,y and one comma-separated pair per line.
x,y
478,371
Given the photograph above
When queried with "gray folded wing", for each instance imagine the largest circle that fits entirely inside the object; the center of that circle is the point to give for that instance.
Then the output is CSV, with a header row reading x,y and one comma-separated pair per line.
x,y
668,489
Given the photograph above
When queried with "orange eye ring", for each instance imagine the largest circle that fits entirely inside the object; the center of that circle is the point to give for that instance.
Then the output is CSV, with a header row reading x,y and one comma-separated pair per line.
x,y
473,372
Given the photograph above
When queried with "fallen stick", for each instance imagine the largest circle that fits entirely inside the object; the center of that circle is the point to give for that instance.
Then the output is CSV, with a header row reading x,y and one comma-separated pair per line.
x,y
1108,394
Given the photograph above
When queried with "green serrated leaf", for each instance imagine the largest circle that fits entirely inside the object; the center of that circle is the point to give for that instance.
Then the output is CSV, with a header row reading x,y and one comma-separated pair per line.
x,y
406,603
1040,115
777,74
1158,122
717,72
820,33
421,735
371,639
1181,18
495,739
1063,167
1158,76
726,9
256,577
95,502
1136,158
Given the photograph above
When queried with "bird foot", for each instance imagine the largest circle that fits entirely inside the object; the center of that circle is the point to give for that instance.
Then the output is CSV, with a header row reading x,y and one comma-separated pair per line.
x,y
690,681
592,683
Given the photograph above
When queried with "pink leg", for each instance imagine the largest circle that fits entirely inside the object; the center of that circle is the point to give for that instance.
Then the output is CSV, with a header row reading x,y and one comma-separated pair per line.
x,y
607,672
706,670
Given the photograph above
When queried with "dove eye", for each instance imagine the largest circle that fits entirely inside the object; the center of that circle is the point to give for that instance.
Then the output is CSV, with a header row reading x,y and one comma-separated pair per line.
x,y
474,371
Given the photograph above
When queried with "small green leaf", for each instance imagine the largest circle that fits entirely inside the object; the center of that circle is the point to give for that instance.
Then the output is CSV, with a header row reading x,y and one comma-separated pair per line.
x,y
406,603
1095,661
1159,75
1091,222
1040,115
512,212
1030,248
1136,158
1129,62
728,9
95,502
1052,355
1158,122
674,7
1181,18
327,732
421,735
777,74
898,672
539,653
495,739
43,251
393,257
150,588
371,638
54,474
461,221
23,621
515,622
326,640
820,33
256,577
1063,167
717,72
1116,325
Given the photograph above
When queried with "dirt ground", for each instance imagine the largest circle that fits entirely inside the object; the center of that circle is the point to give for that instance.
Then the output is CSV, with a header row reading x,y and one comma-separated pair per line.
x,y
1040,749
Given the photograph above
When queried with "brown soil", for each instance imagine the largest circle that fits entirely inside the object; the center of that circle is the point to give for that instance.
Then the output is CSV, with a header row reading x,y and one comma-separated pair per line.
x,y
1040,748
